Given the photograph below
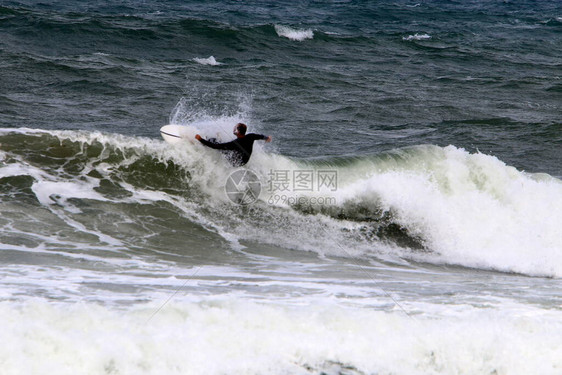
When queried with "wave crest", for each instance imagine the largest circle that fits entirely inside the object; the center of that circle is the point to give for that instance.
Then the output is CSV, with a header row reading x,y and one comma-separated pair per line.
x,y
294,34
207,61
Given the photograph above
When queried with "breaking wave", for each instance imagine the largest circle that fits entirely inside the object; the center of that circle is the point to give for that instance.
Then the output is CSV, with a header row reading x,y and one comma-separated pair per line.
x,y
427,203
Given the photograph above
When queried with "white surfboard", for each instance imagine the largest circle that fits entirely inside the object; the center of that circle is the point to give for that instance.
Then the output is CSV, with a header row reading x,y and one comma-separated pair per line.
x,y
174,134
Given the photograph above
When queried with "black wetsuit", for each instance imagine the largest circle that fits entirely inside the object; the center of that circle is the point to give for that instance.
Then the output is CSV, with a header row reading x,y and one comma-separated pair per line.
x,y
238,150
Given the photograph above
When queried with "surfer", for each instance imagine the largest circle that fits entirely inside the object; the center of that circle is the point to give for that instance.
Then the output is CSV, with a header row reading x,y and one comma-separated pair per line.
x,y
240,149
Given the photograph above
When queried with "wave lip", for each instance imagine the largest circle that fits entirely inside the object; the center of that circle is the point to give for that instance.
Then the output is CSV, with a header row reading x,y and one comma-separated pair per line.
x,y
294,34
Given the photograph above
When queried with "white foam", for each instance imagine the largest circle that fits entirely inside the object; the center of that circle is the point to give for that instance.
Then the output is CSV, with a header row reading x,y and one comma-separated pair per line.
x,y
207,61
230,335
294,34
50,192
21,169
417,37
472,210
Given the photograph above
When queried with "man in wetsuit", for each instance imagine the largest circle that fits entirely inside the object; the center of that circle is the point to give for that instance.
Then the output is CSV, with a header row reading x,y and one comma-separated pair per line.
x,y
240,149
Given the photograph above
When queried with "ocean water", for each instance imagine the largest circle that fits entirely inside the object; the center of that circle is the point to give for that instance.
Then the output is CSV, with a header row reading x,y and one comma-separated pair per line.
x,y
408,218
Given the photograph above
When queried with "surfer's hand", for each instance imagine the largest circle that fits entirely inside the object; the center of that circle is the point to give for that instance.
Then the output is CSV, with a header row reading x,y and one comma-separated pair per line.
x,y
198,137
268,139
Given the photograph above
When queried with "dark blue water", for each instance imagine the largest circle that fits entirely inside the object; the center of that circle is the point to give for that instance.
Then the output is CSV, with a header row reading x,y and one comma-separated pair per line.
x,y
480,75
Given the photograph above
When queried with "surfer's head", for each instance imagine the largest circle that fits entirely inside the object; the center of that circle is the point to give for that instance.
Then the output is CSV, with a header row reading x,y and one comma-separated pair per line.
x,y
240,129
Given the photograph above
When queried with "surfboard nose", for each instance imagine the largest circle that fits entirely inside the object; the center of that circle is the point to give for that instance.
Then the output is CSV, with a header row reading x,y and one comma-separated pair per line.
x,y
174,134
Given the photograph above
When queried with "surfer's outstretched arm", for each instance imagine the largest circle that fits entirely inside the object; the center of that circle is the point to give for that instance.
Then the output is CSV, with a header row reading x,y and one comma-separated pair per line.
x,y
216,146
266,138
230,145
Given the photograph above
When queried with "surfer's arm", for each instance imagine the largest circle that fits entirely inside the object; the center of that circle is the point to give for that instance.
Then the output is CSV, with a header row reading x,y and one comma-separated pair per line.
x,y
267,138
216,146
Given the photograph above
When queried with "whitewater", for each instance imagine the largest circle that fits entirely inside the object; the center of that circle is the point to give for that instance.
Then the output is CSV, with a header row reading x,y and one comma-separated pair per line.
x,y
166,310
